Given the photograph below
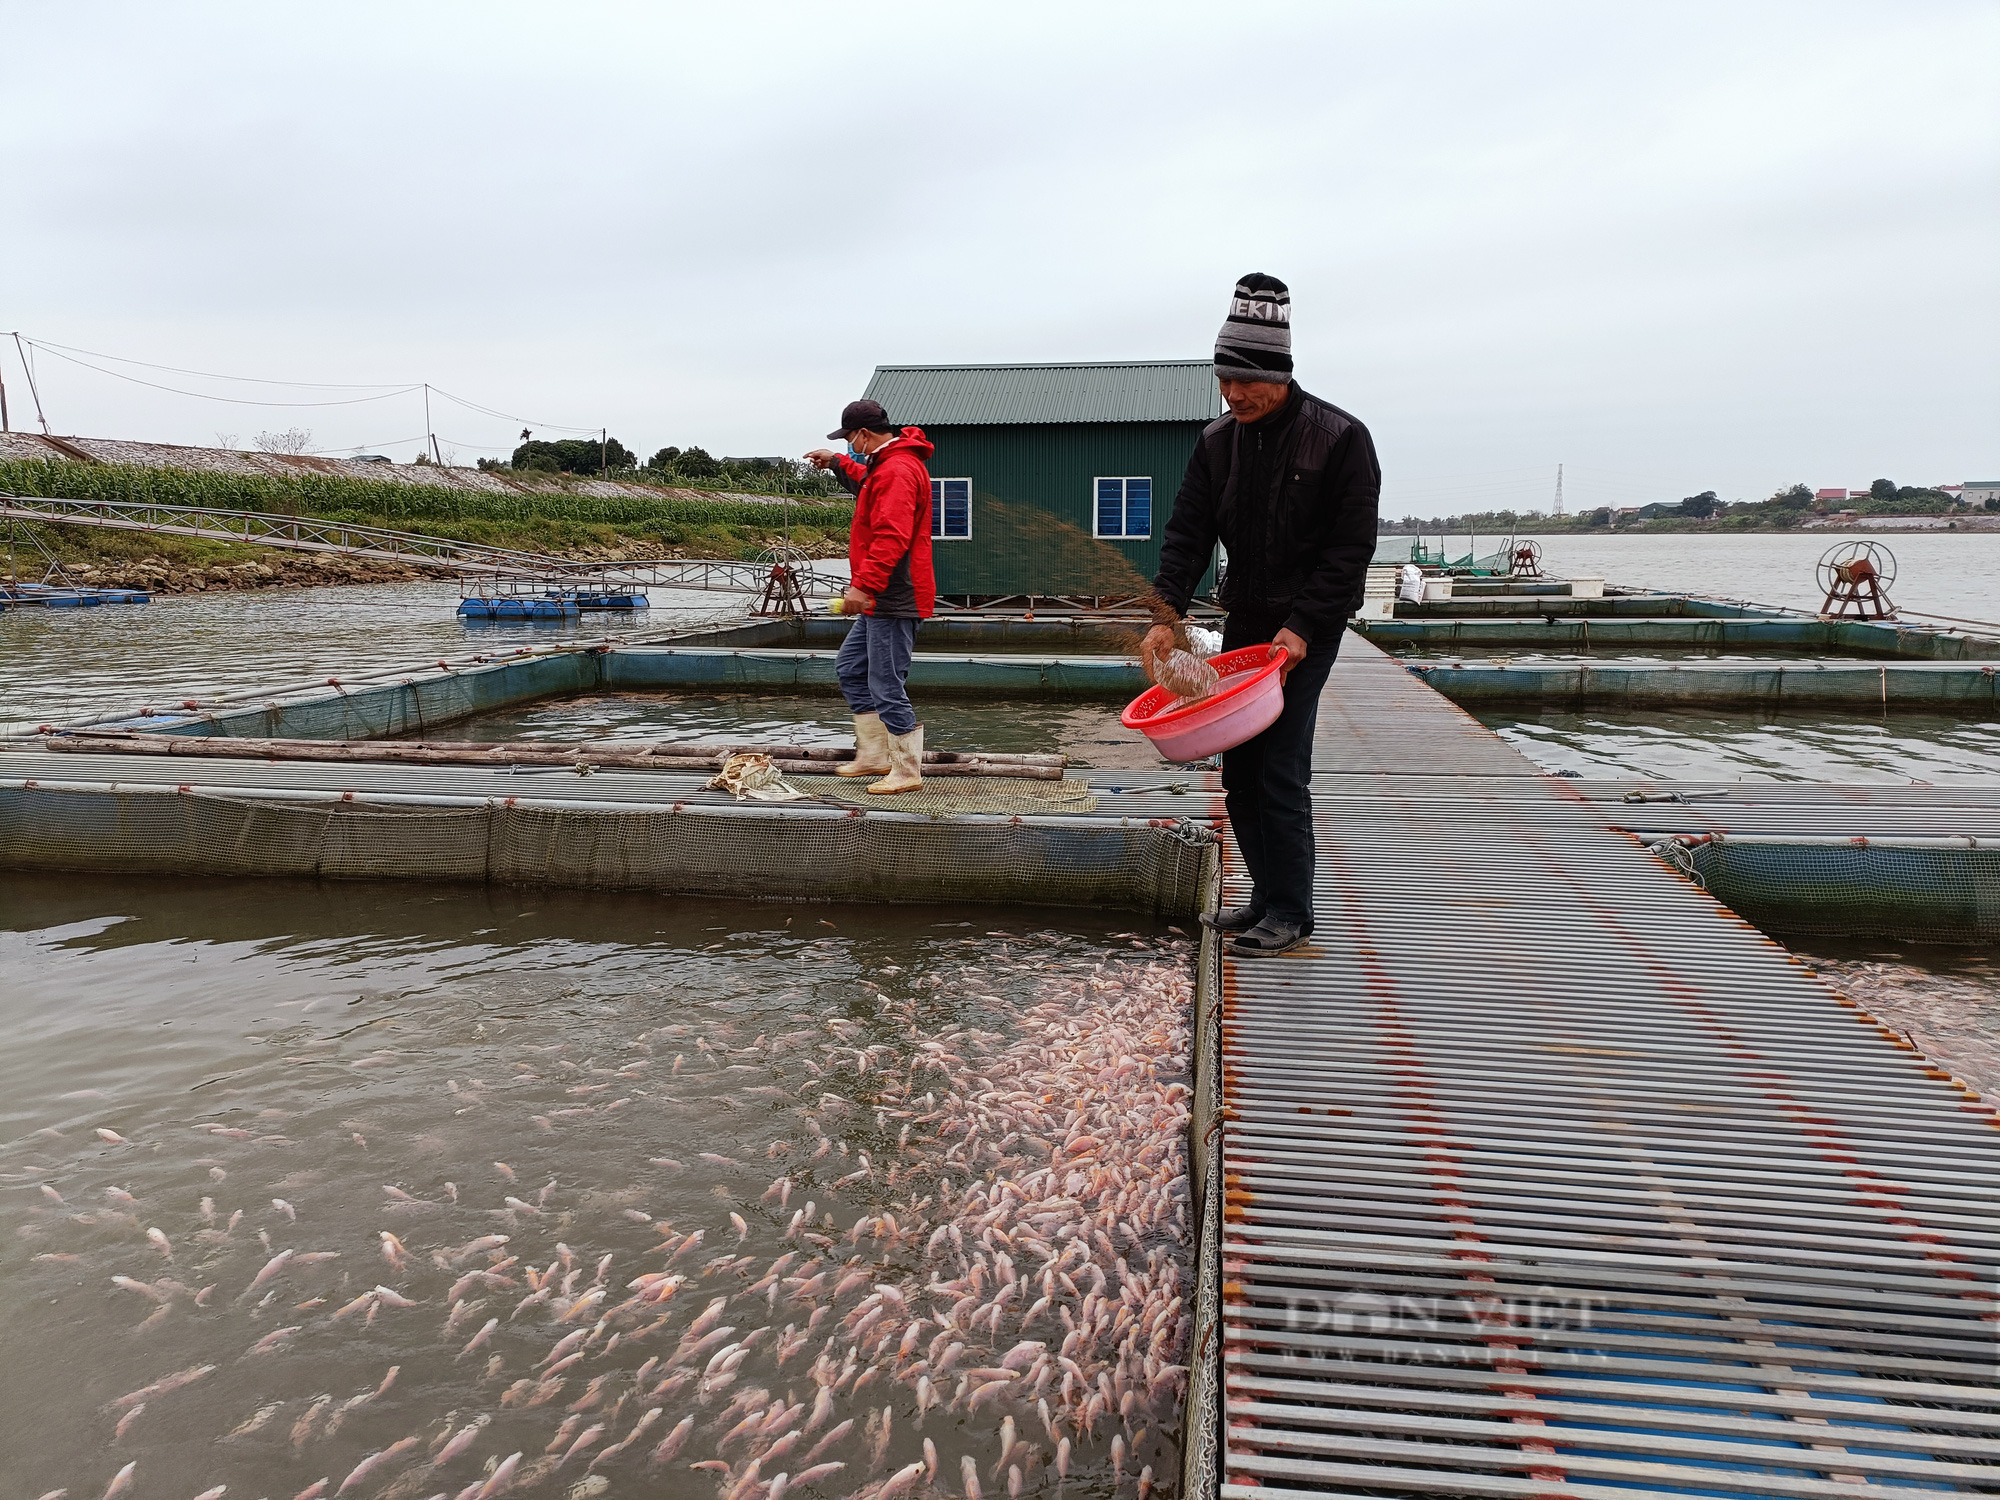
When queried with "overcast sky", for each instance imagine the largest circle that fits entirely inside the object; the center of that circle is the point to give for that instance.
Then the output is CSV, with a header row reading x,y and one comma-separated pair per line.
x,y
1675,247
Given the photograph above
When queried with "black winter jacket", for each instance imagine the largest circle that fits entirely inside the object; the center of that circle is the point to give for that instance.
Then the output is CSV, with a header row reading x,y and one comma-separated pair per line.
x,y
1293,497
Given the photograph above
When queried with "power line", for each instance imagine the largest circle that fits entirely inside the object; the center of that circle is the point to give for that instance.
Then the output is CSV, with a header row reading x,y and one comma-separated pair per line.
x,y
119,359
365,447
204,395
385,392
508,416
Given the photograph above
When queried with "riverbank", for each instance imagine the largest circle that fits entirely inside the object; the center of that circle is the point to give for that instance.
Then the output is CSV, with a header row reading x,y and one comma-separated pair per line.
x,y
581,520
1814,525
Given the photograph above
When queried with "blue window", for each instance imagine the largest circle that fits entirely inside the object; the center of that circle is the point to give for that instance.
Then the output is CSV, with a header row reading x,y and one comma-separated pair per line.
x,y
951,507
1125,508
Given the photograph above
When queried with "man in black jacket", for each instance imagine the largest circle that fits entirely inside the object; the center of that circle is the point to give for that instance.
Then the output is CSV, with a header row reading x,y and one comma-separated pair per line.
x,y
1289,485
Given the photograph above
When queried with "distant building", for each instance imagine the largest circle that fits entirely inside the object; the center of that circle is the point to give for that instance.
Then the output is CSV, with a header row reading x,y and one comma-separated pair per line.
x,y
1052,479
1979,491
1824,498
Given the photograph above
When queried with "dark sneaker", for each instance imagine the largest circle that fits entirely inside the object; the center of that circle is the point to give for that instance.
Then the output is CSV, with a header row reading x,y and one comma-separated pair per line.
x,y
1232,919
1267,939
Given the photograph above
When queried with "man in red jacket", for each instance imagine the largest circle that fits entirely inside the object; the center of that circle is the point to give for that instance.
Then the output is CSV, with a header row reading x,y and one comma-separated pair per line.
x,y
890,589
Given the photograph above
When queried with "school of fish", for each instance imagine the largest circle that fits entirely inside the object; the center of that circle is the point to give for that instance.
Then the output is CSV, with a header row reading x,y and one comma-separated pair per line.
x,y
958,1266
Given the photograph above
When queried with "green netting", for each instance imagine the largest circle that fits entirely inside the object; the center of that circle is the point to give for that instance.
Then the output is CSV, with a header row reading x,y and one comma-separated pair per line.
x,y
959,794
1460,552
1202,1418
1933,891
792,851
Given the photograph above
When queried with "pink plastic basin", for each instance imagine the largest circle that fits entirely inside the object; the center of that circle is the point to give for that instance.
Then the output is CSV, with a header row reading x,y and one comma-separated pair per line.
x,y
1245,704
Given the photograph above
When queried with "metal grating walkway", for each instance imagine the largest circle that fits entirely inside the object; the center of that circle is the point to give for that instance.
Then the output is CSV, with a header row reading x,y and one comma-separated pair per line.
x,y
1546,1175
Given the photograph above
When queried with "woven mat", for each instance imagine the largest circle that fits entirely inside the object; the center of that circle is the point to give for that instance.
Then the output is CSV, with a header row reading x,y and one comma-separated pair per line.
x,y
945,795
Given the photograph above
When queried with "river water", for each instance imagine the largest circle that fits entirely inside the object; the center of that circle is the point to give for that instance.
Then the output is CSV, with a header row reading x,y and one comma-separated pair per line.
x,y
1088,733
57,665
1900,750
697,1194
1952,573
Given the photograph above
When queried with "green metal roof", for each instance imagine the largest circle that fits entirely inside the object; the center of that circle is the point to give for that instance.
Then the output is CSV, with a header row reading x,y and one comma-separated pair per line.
x,y
1157,390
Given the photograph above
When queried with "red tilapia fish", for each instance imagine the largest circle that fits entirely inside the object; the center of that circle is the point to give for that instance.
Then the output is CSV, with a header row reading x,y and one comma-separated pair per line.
x,y
968,1274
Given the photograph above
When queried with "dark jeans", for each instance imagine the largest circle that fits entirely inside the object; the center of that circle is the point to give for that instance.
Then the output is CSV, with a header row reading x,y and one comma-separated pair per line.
x,y
1268,781
874,665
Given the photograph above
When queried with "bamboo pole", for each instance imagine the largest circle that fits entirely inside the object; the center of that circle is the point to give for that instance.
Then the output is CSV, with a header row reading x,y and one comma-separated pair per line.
x,y
788,759
696,749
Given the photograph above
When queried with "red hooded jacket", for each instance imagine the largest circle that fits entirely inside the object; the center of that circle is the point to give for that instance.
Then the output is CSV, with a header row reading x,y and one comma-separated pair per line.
x,y
889,543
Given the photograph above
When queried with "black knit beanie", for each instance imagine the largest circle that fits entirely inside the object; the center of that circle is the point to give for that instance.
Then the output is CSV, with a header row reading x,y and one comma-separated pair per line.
x,y
1256,339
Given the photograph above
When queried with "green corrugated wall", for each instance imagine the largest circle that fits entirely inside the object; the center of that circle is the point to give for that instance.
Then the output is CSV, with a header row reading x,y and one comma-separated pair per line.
x,y
1032,504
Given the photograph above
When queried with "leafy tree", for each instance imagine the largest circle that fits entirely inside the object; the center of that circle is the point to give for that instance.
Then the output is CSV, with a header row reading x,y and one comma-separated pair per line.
x,y
1701,506
694,463
1601,516
575,456
1798,497
1882,489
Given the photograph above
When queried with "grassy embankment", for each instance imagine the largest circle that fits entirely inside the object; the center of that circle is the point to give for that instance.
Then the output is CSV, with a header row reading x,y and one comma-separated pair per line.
x,y
558,521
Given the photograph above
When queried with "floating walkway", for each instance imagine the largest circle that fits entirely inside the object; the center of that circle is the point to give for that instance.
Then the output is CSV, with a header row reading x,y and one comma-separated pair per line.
x,y
1789,633
1130,840
1540,1173
1969,687
66,596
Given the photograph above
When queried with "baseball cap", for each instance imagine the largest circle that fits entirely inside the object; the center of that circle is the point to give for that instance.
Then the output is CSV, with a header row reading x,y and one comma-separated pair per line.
x,y
863,416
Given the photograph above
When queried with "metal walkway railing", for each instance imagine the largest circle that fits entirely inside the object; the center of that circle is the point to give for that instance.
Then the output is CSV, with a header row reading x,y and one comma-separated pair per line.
x,y
1546,1175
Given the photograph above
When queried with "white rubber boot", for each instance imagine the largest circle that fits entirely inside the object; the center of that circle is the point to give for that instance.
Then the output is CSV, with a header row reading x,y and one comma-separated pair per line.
x,y
906,764
871,748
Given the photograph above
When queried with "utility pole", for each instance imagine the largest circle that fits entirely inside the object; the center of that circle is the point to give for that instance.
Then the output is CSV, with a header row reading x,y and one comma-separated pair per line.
x,y
603,450
3,403
429,436
1559,491
33,389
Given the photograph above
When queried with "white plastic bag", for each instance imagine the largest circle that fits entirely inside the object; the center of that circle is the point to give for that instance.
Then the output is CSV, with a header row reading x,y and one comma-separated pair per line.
x,y
1186,676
